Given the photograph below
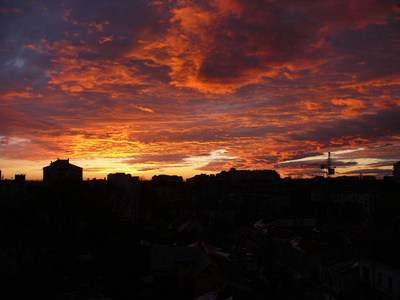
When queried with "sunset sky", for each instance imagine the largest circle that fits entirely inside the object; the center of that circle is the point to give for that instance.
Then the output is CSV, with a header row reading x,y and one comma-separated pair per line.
x,y
192,86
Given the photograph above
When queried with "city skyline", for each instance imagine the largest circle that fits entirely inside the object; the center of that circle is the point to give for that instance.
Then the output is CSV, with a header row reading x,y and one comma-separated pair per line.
x,y
328,170
189,87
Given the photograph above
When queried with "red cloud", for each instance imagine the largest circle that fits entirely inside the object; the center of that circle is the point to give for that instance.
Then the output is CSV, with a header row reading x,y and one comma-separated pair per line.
x,y
223,45
106,39
352,106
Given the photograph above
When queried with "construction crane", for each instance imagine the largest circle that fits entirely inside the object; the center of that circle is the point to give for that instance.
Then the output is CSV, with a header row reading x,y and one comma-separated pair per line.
x,y
330,169
328,166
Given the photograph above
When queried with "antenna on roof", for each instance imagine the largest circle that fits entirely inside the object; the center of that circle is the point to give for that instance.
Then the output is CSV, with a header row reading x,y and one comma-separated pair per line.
x,y
330,169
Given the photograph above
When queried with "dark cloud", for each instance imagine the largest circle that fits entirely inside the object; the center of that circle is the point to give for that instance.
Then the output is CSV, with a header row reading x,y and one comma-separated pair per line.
x,y
362,129
153,168
381,164
314,164
303,154
156,158
339,163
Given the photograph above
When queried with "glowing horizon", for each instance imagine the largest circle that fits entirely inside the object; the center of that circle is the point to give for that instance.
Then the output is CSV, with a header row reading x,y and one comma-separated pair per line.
x,y
189,87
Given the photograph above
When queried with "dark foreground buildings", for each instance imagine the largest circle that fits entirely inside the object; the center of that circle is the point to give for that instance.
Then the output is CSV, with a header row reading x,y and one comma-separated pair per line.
x,y
233,235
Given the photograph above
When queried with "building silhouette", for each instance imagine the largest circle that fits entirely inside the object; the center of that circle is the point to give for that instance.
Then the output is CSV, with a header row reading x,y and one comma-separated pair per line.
x,y
396,172
61,171
19,178
126,196
245,176
122,178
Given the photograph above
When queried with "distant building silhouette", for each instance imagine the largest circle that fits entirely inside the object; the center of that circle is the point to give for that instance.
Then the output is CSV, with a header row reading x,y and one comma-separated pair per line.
x,y
122,178
19,178
126,196
396,172
202,178
167,179
62,171
242,176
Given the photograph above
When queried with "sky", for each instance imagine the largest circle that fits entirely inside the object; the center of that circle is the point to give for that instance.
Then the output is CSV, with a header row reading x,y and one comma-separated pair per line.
x,y
184,87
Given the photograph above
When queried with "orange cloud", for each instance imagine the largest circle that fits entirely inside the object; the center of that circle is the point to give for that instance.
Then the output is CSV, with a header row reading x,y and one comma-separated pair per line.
x,y
352,106
61,48
27,94
145,109
67,13
209,48
105,39
8,10
311,105
387,103
99,26
83,75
